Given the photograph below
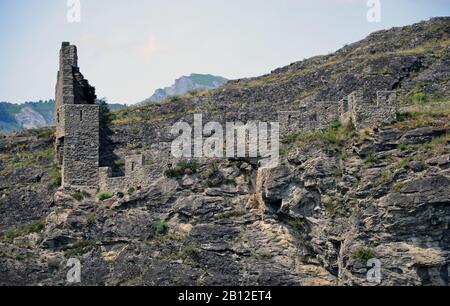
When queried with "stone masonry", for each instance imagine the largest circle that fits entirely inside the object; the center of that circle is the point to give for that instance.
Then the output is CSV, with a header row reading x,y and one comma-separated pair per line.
x,y
358,108
363,112
77,123
77,126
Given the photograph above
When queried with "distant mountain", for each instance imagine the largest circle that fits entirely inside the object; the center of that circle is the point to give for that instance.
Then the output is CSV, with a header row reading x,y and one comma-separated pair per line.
x,y
188,83
30,115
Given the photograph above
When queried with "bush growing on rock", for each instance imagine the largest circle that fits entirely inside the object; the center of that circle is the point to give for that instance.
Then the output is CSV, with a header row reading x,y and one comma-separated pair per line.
x,y
363,254
183,167
104,195
78,196
56,177
160,227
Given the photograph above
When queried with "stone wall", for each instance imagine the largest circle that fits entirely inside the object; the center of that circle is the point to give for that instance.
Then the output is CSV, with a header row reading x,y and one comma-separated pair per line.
x,y
135,176
81,144
77,123
363,112
309,116
358,108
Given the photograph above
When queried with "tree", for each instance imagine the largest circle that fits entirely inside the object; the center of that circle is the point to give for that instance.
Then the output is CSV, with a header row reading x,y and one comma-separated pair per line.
x,y
105,116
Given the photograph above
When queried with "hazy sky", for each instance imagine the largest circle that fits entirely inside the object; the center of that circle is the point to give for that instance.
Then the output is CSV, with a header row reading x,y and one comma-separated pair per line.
x,y
128,48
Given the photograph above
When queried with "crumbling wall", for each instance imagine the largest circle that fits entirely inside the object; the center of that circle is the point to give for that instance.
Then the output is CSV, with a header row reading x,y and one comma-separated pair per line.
x,y
309,116
77,123
357,108
134,176
363,111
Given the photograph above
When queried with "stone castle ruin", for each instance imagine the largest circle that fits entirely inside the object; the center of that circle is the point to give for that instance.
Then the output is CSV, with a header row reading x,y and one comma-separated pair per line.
x,y
77,123
358,109
77,127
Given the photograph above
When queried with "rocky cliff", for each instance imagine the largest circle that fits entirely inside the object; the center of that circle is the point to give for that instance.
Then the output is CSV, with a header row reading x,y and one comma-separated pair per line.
x,y
340,196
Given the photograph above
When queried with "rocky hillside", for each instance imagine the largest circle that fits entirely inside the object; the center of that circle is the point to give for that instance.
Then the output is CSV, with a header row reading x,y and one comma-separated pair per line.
x,y
185,84
339,197
414,60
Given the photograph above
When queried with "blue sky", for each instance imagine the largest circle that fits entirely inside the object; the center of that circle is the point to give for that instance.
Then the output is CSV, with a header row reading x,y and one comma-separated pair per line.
x,y
127,49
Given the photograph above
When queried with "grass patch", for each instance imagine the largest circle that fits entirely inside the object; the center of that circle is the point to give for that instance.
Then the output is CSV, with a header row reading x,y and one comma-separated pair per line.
x,y
35,227
371,159
56,177
104,195
363,254
398,186
227,215
336,135
426,116
90,219
299,223
402,147
45,133
80,248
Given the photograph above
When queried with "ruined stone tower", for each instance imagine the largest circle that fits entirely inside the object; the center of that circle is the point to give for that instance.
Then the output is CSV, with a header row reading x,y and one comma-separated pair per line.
x,y
77,123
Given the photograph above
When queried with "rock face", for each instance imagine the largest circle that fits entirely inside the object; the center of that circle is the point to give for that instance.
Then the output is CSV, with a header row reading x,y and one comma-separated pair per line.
x,y
340,197
29,119
187,83
29,115
316,220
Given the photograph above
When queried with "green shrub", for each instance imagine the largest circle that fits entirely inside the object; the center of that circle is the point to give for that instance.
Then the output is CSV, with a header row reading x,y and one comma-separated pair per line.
x,y
19,256
161,227
90,219
104,195
174,99
78,196
131,190
419,98
402,147
56,177
119,163
105,115
45,133
370,159
363,254
183,167
298,223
